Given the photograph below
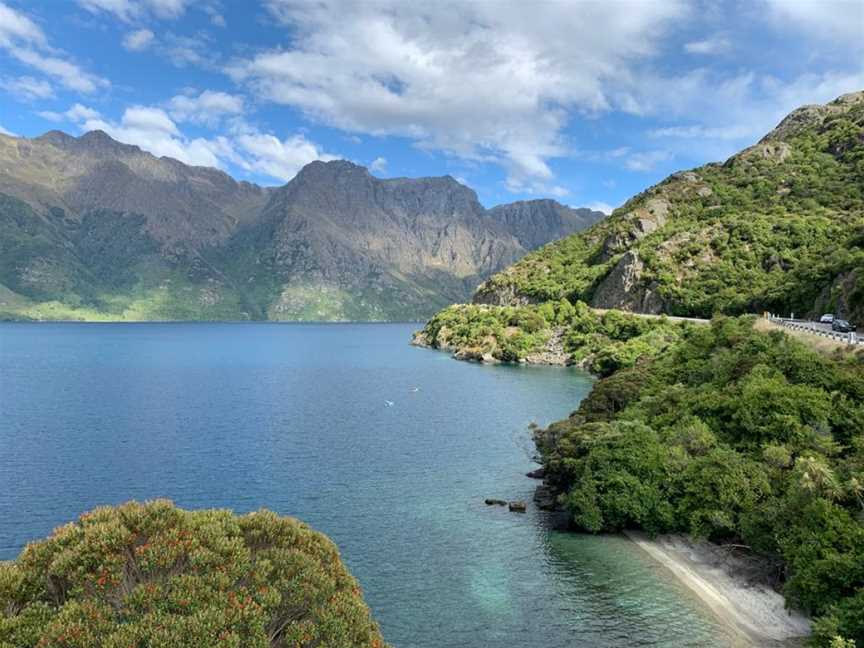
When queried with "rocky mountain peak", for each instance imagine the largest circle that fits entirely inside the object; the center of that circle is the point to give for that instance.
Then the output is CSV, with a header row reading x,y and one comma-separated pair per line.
x,y
807,117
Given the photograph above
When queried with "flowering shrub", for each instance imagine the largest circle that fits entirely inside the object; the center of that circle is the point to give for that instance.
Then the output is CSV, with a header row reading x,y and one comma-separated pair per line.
x,y
153,575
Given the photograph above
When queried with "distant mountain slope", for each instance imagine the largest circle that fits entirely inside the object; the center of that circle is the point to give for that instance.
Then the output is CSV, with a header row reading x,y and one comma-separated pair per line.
x,y
779,226
92,228
536,222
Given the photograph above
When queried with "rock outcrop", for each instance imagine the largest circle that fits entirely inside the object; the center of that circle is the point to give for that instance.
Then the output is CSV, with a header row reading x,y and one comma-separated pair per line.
x,y
623,288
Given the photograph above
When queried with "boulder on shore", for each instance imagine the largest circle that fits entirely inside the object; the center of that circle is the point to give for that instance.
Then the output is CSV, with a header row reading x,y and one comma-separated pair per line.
x,y
539,473
517,507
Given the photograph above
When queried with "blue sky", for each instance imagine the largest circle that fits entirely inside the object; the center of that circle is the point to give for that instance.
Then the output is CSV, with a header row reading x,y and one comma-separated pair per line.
x,y
586,102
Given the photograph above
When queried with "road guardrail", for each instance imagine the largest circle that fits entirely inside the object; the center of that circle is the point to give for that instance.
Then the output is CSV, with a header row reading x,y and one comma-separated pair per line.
x,y
816,329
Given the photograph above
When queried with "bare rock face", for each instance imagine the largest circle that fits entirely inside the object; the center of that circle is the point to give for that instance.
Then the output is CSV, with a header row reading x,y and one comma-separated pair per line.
x,y
506,295
624,289
640,223
776,151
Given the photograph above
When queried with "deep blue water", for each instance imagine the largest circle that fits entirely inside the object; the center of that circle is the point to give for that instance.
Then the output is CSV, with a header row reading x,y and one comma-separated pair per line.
x,y
293,418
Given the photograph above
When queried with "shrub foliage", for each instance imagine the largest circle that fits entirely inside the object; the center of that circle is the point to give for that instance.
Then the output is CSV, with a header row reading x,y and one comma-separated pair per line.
x,y
155,576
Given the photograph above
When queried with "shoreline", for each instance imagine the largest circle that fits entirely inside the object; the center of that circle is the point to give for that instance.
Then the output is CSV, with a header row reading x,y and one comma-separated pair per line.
x,y
752,610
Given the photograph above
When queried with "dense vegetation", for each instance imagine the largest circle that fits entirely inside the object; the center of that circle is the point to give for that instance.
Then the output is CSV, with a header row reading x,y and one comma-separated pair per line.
x,y
600,342
778,227
733,435
154,576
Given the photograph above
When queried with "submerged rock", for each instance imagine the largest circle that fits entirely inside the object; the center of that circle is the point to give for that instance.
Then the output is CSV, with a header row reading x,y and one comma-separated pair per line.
x,y
491,501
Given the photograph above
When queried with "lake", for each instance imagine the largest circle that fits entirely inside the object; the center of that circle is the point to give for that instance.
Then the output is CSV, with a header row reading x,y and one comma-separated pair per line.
x,y
295,418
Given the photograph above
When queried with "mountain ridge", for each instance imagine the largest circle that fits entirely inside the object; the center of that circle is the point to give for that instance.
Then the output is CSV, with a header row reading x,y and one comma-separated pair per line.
x,y
335,242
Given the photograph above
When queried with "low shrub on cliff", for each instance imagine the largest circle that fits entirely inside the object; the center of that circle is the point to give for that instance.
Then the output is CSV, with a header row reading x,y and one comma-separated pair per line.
x,y
733,435
155,576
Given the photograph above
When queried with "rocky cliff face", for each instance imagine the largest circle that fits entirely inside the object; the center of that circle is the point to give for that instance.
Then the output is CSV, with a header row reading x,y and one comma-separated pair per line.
x,y
90,227
779,227
536,222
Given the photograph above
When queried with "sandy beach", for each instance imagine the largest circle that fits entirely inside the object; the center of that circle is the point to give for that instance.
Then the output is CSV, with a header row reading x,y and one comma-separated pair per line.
x,y
725,583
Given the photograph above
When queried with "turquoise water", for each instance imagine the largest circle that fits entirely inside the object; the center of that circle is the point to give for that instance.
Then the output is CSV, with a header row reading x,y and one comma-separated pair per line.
x,y
294,418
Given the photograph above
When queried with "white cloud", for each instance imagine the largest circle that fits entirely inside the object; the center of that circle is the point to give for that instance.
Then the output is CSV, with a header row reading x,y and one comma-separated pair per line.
x,y
715,45
379,165
168,9
183,51
77,113
125,10
207,108
67,73
417,71
152,129
131,10
3,131
138,40
16,27
277,158
26,88
646,161
830,20
598,205
26,42
732,112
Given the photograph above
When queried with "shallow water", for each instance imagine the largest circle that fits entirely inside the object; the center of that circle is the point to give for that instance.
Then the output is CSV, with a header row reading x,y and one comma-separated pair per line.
x,y
294,418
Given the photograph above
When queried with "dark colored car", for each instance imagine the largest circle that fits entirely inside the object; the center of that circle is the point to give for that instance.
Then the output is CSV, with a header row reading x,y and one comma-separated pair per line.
x,y
842,326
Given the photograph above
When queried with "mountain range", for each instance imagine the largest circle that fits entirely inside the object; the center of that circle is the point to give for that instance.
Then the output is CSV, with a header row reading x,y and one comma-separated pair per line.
x,y
91,228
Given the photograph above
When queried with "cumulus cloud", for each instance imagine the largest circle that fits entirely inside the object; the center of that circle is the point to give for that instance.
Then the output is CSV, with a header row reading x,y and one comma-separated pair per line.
x,y
208,107
4,131
392,68
77,113
598,205
378,165
25,41
154,130
138,40
282,159
27,88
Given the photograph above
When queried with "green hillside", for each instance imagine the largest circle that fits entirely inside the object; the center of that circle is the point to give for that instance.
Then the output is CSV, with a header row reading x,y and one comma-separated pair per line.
x,y
779,226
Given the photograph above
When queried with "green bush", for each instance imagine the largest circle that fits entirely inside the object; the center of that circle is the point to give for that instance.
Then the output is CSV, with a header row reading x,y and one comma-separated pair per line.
x,y
155,576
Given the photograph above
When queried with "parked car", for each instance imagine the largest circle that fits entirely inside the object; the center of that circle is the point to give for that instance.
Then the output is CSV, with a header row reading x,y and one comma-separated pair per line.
x,y
842,326
827,318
